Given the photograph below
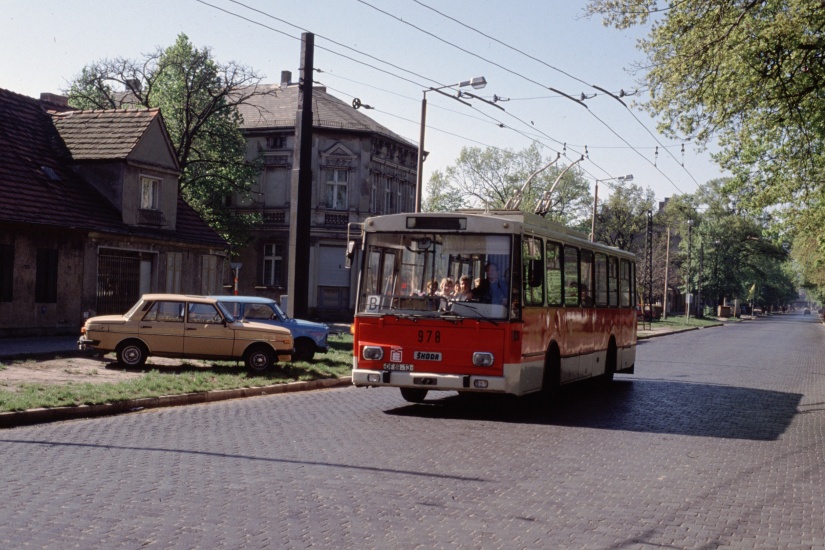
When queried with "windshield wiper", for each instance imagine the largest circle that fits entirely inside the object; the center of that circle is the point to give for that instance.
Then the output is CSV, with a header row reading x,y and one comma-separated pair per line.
x,y
469,305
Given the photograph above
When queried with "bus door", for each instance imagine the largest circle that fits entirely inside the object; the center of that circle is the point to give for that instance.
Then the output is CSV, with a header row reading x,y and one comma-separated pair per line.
x,y
587,363
576,331
528,289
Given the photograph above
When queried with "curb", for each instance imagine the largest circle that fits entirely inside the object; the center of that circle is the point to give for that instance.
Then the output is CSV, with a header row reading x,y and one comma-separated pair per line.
x,y
39,416
676,331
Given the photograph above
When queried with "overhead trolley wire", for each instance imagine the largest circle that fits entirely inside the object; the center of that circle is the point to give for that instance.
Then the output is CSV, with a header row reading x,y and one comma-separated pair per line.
x,y
258,23
457,21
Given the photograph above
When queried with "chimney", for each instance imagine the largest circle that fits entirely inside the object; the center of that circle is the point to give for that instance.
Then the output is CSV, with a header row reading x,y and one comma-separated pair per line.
x,y
54,100
286,77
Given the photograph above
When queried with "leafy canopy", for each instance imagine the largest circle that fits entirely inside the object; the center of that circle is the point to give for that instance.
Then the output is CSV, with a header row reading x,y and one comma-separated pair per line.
x,y
750,74
488,178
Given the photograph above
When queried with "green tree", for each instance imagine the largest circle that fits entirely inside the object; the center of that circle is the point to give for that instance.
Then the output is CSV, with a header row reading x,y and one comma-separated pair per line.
x,y
621,220
750,75
490,177
731,251
198,99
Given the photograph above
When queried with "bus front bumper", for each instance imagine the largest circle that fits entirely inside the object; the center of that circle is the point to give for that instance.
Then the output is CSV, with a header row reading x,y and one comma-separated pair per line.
x,y
429,381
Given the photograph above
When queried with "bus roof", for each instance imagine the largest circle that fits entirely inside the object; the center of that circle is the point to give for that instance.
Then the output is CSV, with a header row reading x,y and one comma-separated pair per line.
x,y
485,221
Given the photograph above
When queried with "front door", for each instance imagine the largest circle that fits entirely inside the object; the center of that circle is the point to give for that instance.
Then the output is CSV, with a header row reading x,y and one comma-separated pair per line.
x,y
206,332
162,328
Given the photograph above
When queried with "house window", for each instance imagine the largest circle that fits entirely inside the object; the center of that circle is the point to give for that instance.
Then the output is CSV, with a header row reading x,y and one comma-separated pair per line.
x,y
174,267
6,272
273,264
374,191
411,203
388,197
149,193
337,189
45,286
276,142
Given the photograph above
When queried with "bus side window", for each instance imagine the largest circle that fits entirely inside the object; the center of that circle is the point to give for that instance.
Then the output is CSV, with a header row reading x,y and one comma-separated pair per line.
x,y
571,276
533,272
601,280
624,284
586,271
555,296
613,281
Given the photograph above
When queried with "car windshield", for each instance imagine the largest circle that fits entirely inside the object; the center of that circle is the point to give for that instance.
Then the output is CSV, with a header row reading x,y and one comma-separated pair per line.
x,y
253,310
435,274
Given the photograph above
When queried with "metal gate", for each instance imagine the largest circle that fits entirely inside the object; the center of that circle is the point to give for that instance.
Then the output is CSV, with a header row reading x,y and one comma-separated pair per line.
x,y
118,281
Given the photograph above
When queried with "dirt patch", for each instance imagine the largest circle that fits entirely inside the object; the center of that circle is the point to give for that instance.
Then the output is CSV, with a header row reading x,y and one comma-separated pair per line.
x,y
80,369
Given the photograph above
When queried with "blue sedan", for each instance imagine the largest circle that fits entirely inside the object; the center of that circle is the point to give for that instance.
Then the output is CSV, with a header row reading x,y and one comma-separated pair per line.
x,y
310,338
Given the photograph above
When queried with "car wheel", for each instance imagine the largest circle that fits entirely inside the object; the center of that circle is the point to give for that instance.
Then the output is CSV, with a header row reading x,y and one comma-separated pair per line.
x,y
259,358
413,395
304,350
131,354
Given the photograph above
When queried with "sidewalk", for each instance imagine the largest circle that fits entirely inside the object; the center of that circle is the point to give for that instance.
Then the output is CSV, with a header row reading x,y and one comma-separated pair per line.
x,y
652,330
38,346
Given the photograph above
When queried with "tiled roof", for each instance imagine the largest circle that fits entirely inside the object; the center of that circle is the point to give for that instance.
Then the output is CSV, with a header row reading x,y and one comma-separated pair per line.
x,y
272,106
39,187
103,135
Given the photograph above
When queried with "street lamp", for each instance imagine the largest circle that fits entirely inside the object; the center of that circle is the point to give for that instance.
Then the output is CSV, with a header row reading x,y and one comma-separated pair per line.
x,y
628,177
477,83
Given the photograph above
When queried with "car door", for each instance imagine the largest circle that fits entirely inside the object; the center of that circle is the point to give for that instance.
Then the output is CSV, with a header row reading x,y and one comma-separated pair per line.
x,y
206,333
161,328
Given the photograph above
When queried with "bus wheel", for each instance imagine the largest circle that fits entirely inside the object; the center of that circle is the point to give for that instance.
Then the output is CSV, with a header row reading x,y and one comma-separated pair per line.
x,y
610,364
551,384
413,395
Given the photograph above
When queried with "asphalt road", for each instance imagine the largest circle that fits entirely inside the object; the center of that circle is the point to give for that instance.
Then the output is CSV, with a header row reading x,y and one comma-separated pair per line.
x,y
718,441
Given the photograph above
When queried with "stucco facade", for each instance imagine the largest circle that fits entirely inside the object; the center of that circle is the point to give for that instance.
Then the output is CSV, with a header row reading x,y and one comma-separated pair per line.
x,y
359,169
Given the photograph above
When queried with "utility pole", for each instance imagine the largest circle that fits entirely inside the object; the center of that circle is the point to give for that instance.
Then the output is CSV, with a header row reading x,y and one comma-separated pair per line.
x,y
687,280
300,213
649,263
699,312
667,262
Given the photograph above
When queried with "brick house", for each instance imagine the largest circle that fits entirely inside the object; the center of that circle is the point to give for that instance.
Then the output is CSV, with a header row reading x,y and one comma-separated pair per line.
x,y
91,216
359,169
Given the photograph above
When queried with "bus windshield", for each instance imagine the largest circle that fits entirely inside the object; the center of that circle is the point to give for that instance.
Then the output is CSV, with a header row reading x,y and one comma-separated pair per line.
x,y
432,274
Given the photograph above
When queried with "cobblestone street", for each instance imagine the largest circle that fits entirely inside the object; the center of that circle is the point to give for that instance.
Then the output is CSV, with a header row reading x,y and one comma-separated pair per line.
x,y
717,441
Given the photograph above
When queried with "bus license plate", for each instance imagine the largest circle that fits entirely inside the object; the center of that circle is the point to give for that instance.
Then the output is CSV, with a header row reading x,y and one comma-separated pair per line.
x,y
406,367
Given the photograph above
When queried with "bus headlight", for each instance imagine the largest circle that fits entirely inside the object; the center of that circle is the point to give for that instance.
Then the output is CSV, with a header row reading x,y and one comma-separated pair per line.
x,y
373,353
373,378
483,359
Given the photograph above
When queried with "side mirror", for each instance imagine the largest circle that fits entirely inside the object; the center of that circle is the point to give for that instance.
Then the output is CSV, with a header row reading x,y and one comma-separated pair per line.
x,y
350,254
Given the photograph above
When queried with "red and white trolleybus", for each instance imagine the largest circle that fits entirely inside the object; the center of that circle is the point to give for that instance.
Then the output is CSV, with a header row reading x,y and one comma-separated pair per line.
x,y
546,306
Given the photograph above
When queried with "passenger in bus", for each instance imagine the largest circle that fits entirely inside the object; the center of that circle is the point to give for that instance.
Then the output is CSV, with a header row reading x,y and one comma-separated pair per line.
x,y
464,291
432,288
447,288
498,288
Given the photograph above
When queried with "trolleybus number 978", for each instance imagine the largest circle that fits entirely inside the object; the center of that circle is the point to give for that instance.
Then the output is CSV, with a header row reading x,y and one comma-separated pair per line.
x,y
427,336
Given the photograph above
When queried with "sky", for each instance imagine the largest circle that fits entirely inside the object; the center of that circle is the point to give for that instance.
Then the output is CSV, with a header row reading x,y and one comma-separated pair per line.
x,y
386,53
